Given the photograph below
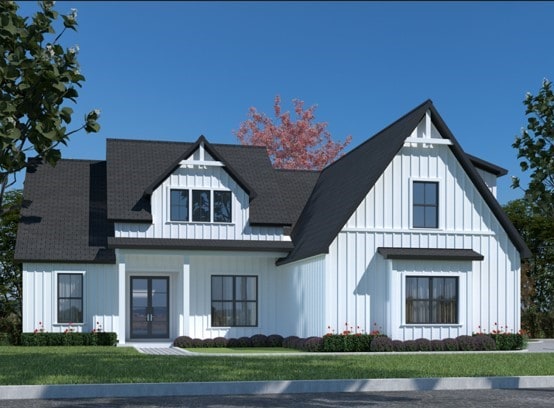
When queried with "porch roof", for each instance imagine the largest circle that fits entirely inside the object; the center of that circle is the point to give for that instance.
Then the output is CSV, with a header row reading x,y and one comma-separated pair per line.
x,y
200,244
430,253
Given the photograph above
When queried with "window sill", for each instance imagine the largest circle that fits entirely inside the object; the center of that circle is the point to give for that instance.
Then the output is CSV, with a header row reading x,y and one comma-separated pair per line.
x,y
69,324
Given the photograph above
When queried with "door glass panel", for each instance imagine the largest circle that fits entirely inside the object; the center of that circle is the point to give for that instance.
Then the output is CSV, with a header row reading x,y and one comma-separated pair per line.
x,y
149,307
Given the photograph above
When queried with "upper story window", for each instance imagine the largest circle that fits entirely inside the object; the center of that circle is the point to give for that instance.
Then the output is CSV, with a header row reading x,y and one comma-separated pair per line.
x,y
425,204
203,205
179,205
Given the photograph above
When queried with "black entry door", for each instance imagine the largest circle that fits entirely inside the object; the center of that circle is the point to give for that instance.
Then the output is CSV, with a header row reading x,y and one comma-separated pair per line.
x,y
149,307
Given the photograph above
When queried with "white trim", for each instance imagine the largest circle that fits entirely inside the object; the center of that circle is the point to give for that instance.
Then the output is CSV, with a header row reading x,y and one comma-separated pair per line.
x,y
122,306
429,141
418,231
55,291
191,163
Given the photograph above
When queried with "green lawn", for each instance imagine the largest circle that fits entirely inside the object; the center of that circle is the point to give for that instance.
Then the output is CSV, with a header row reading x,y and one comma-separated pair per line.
x,y
69,365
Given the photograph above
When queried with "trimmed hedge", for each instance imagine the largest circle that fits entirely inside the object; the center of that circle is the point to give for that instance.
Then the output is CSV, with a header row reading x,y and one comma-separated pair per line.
x,y
338,343
509,341
69,339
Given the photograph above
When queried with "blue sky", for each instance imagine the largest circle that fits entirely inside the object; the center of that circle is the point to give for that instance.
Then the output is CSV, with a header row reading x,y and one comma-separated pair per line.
x,y
176,70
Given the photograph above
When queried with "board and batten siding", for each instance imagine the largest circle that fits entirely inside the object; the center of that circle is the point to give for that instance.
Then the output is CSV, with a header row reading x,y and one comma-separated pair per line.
x,y
270,300
489,179
302,297
100,294
206,178
364,290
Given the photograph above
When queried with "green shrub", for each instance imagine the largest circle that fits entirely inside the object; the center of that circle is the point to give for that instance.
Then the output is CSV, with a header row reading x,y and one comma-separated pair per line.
x,y
4,339
259,340
183,342
450,344
537,324
69,339
337,343
275,340
381,343
510,341
333,343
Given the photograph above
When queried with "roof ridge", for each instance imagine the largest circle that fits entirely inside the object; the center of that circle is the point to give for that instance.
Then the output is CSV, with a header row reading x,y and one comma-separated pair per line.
x,y
113,139
383,130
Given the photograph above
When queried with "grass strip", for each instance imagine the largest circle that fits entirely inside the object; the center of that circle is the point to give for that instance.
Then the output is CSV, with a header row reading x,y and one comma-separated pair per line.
x,y
89,365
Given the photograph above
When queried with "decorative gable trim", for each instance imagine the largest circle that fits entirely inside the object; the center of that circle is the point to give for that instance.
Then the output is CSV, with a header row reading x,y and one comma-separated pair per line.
x,y
185,158
440,254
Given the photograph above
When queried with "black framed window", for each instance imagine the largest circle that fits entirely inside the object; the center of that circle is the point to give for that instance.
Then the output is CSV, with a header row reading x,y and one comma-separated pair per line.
x,y
432,300
234,301
200,205
222,206
179,203
425,204
70,298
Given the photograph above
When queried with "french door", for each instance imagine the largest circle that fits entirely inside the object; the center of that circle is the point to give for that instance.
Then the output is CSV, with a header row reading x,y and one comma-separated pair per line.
x,y
149,307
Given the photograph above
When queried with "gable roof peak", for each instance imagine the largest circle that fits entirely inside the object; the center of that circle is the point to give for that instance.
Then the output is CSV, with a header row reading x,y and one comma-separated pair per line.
x,y
354,174
201,141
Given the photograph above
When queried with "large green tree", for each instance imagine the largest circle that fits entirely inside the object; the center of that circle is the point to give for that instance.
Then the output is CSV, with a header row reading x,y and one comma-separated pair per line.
x,y
10,271
535,147
537,273
38,77
533,215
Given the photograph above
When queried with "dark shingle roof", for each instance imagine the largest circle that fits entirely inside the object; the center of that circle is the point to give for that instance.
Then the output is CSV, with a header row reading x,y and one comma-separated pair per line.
x,y
136,166
487,166
295,188
70,209
63,218
344,184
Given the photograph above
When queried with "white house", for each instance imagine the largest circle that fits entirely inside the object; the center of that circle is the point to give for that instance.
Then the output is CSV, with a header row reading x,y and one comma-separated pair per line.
x,y
164,239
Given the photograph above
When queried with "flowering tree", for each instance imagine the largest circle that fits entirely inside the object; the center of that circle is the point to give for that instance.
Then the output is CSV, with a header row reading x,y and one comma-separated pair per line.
x,y
299,144
37,77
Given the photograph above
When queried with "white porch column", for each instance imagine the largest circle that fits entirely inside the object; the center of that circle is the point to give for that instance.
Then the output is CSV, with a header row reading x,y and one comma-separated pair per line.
x,y
391,291
122,292
184,330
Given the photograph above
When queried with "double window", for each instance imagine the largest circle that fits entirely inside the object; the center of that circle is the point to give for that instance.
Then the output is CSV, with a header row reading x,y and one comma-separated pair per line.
x,y
431,300
200,205
234,301
70,298
425,204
